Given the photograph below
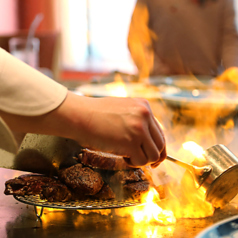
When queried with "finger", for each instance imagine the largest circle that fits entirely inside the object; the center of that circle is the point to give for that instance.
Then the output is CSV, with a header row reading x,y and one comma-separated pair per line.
x,y
150,149
157,134
163,155
137,159
159,139
153,143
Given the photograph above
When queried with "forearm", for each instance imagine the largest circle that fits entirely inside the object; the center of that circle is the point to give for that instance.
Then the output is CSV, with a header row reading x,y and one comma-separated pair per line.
x,y
58,122
124,126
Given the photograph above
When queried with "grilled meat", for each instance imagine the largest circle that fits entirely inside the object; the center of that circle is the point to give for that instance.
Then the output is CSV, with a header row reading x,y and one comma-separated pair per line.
x,y
102,160
97,175
105,193
28,184
129,183
135,190
56,192
127,176
81,179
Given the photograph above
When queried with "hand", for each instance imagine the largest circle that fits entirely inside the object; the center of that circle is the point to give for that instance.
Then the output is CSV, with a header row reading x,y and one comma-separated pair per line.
x,y
123,126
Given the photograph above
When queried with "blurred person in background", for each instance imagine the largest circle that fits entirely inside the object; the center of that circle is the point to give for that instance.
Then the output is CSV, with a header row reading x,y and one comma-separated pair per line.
x,y
181,37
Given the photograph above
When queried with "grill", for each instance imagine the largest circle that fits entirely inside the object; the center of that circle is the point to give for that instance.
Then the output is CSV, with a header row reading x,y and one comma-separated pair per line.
x,y
87,204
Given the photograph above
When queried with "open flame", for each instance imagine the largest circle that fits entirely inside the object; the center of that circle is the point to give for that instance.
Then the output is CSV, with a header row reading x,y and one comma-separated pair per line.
x,y
117,88
182,198
152,212
194,148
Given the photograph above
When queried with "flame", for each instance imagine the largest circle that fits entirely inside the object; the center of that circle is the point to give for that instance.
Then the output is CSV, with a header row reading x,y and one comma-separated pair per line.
x,y
182,194
190,196
195,149
152,212
229,75
183,199
117,88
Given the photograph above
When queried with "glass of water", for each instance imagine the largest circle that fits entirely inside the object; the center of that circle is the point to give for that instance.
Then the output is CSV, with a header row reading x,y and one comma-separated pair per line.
x,y
26,50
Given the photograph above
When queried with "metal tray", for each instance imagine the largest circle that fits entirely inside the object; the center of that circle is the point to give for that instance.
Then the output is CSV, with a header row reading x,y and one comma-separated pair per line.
x,y
89,204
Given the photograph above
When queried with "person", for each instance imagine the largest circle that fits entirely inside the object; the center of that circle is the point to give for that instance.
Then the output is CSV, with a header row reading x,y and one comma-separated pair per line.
x,y
196,37
30,102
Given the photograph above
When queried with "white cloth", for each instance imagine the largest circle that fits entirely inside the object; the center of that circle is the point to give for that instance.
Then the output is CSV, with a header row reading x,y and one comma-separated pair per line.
x,y
26,91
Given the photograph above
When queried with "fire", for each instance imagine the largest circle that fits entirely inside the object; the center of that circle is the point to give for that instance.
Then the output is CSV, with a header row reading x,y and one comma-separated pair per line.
x,y
117,88
229,75
186,204
195,149
152,212
183,196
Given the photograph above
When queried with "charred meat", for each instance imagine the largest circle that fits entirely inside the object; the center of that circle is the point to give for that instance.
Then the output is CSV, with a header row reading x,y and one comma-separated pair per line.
x,y
81,179
128,176
96,175
56,192
102,160
135,190
105,193
28,184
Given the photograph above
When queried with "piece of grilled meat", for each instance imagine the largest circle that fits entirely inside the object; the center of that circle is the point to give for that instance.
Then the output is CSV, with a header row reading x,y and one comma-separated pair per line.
x,y
125,182
57,192
106,193
127,176
135,190
29,184
102,160
81,179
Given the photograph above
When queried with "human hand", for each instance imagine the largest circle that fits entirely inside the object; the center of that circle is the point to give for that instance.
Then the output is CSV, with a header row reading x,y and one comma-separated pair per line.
x,y
123,126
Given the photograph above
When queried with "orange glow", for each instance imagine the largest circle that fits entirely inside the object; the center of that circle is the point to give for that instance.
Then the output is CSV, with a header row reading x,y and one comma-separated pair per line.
x,y
191,196
229,75
117,88
195,149
151,212
182,198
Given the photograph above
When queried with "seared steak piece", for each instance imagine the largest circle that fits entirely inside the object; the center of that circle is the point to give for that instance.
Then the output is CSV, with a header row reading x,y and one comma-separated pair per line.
x,y
82,180
135,190
127,176
102,160
56,192
105,193
27,184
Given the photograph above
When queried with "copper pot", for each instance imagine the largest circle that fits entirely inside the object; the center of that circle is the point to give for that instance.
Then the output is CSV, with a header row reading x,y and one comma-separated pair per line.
x,y
222,184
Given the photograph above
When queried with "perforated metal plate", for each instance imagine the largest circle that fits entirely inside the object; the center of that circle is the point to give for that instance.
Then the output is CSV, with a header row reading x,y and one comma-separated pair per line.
x,y
83,205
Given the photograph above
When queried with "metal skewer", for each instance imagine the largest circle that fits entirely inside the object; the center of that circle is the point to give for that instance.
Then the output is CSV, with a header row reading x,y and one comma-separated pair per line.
x,y
200,174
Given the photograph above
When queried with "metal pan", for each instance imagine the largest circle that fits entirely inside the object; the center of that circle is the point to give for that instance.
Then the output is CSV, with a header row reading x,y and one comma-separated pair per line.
x,y
222,184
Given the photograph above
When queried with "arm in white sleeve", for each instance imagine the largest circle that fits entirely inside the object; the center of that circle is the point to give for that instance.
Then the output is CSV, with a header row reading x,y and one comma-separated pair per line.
x,y
26,91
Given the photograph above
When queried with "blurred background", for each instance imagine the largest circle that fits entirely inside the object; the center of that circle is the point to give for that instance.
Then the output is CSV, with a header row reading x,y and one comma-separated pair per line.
x,y
78,39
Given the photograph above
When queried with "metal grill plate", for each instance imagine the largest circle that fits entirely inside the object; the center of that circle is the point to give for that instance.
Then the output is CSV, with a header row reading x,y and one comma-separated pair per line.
x,y
83,205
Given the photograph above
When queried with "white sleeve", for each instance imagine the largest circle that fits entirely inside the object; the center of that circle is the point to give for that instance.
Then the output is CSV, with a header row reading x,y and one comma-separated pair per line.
x,y
26,91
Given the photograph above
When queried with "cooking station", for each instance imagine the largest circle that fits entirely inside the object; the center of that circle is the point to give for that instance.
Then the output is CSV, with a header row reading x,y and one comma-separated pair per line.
x,y
19,219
